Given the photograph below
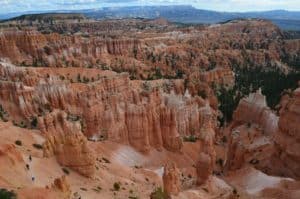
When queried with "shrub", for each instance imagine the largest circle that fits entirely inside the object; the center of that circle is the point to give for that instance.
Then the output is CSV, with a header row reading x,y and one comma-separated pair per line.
x,y
5,194
146,86
220,162
86,79
2,114
18,142
117,186
224,139
158,193
179,74
205,189
133,197
78,78
22,125
66,171
97,189
190,138
234,191
34,122
37,146
105,160
202,93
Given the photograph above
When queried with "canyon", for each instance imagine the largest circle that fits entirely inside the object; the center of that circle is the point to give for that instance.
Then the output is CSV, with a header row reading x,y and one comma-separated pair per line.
x,y
135,108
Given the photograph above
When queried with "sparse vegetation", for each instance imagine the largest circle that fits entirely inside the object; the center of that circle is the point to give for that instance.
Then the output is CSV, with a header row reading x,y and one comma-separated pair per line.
x,y
224,139
83,189
190,138
78,78
97,189
34,122
22,124
105,160
202,93
146,86
133,197
5,194
117,186
249,79
73,118
18,142
3,114
220,162
37,146
66,171
86,80
234,191
158,193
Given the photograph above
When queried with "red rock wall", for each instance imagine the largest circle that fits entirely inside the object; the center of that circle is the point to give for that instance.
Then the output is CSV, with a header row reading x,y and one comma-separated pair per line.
x,y
288,137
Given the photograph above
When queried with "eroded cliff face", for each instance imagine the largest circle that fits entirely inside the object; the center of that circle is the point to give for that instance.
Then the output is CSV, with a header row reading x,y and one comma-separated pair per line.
x,y
65,140
251,134
30,47
260,138
110,108
287,138
254,109
30,93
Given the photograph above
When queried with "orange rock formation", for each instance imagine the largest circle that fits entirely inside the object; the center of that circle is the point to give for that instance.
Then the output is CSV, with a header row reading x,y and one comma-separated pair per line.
x,y
171,179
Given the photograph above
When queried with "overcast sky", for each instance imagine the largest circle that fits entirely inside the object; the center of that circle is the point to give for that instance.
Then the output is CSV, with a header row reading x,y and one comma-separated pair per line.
x,y
8,6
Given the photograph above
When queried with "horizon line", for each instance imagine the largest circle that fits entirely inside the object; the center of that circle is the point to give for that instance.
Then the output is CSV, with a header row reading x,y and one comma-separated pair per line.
x,y
177,5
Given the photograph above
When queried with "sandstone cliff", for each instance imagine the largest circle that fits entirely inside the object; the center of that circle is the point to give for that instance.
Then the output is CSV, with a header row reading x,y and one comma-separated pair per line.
x,y
251,134
112,107
254,109
287,138
65,140
259,138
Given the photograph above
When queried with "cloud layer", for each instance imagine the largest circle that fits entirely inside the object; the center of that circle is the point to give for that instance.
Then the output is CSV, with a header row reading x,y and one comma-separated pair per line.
x,y
8,6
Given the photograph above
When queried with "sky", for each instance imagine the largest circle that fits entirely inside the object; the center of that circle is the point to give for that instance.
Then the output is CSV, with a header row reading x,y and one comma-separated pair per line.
x,y
11,6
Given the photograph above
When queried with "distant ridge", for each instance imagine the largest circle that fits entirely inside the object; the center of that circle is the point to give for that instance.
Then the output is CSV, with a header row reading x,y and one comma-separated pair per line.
x,y
48,16
287,20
